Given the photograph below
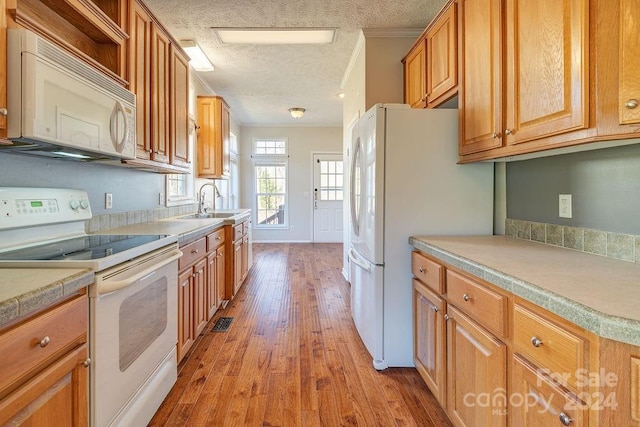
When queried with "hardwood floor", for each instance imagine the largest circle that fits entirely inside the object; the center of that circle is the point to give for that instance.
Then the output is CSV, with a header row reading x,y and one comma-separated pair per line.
x,y
292,356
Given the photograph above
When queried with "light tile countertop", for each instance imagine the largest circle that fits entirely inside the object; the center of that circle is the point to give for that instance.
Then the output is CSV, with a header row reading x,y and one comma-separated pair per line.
x,y
600,294
26,290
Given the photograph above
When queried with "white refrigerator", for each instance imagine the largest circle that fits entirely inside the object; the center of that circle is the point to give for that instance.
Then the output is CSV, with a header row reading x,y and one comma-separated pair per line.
x,y
405,181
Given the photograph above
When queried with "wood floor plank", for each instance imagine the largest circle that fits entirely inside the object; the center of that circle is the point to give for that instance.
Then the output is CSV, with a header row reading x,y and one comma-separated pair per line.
x,y
292,356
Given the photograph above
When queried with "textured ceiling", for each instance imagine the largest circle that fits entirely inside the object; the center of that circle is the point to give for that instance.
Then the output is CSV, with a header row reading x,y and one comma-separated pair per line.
x,y
261,82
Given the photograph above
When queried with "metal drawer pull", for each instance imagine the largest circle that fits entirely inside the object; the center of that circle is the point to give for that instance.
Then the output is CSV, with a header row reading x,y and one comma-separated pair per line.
x,y
194,251
507,132
435,309
421,270
466,297
4,112
536,342
631,104
446,317
44,341
87,362
564,419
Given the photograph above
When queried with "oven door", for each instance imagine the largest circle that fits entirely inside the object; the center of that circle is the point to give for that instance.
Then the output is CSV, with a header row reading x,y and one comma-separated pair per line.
x,y
133,336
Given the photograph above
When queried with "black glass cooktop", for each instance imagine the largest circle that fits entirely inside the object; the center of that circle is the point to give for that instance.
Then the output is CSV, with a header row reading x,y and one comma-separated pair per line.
x,y
80,248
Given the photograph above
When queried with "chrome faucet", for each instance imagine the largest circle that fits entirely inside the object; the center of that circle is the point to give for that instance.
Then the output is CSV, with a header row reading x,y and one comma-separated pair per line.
x,y
216,193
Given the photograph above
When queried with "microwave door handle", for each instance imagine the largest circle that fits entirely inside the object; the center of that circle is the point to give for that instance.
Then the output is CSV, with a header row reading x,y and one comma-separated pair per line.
x,y
118,109
109,286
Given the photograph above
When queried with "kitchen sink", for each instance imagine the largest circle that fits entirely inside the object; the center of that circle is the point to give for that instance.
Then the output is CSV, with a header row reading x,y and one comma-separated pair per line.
x,y
209,215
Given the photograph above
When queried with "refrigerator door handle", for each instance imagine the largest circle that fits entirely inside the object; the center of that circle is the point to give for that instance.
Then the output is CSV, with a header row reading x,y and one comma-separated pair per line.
x,y
357,261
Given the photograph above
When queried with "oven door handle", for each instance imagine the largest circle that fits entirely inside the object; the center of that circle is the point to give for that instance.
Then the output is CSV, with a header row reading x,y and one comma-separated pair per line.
x,y
109,286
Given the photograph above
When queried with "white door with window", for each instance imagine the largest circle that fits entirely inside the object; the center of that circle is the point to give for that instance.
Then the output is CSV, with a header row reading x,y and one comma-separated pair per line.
x,y
328,191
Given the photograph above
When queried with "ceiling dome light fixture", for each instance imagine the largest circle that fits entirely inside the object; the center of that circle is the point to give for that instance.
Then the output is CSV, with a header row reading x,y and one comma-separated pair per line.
x,y
297,112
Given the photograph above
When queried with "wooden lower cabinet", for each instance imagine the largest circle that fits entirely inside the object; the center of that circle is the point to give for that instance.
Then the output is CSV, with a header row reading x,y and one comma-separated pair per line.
x,y
46,382
536,400
201,275
200,296
185,313
429,329
57,397
237,237
477,377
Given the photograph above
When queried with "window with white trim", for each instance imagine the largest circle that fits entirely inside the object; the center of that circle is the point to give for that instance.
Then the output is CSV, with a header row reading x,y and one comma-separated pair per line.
x,y
271,182
179,187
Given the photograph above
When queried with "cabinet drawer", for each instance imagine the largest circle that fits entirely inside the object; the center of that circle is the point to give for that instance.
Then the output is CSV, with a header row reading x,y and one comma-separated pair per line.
x,y
238,231
484,305
549,345
40,339
215,239
427,271
192,252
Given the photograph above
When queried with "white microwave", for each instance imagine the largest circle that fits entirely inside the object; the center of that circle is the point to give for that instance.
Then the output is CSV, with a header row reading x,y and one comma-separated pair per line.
x,y
59,106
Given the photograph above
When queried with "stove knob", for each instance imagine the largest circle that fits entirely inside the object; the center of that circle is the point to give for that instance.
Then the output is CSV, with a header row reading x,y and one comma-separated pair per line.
x,y
74,205
84,204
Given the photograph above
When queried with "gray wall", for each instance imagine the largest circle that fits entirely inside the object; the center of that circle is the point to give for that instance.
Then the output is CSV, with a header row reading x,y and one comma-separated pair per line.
x,y
131,189
605,188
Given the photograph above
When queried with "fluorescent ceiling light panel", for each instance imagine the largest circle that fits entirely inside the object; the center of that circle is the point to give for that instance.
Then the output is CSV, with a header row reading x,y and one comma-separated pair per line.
x,y
276,35
199,60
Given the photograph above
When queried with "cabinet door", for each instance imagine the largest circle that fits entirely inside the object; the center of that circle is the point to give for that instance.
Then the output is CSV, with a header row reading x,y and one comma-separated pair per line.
x,y
429,339
185,312
547,63
245,257
442,58
200,306
3,69
208,151
57,396
221,260
160,92
180,155
140,76
415,76
476,374
629,104
237,266
538,401
212,283
480,91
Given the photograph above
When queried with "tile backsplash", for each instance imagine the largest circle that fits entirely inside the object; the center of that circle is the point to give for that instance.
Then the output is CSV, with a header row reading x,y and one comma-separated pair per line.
x,y
104,222
624,247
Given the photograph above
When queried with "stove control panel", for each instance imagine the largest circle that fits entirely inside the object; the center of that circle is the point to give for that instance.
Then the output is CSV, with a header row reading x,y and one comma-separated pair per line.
x,y
27,207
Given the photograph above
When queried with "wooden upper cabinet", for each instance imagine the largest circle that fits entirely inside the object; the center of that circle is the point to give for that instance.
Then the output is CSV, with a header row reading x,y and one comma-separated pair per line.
x,y
442,57
3,70
140,76
480,91
547,63
180,155
94,31
160,114
415,76
213,137
629,103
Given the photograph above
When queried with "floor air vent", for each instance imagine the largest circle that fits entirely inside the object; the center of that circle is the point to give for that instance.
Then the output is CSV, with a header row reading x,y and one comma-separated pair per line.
x,y
222,324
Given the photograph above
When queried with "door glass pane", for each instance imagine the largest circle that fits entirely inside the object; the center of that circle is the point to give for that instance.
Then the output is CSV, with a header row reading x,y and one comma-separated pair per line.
x,y
331,180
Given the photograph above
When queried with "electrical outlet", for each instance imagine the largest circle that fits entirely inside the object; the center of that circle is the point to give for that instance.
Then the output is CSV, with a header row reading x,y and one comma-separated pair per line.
x,y
108,200
292,228
564,206
161,198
